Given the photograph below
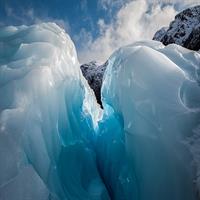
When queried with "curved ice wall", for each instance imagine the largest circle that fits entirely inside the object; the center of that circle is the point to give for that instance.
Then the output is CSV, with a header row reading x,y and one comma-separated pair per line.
x,y
46,125
54,142
153,92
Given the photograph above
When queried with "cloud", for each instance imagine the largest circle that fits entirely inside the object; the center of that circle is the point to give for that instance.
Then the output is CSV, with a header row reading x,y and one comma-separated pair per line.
x,y
125,21
85,37
135,20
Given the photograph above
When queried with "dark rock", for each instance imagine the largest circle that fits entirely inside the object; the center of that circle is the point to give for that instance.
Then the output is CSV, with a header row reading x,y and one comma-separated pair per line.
x,y
184,30
94,75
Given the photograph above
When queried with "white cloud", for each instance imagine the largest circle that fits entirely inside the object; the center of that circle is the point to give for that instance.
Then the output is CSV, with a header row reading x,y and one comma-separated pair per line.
x,y
85,37
136,20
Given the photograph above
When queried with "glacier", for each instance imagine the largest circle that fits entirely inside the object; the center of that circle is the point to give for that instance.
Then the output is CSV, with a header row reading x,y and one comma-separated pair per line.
x,y
57,143
47,118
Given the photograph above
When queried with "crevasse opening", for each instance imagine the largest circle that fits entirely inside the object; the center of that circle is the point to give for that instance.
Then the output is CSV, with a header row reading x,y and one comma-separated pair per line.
x,y
57,143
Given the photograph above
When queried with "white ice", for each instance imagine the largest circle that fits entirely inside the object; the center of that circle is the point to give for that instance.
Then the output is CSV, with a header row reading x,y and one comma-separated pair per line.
x,y
56,144
155,91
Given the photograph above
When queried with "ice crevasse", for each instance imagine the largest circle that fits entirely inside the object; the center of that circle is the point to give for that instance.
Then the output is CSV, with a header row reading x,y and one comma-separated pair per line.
x,y
57,143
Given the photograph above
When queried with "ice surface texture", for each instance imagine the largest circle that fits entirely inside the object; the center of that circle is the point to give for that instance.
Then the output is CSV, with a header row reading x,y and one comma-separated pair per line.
x,y
159,109
54,141
46,126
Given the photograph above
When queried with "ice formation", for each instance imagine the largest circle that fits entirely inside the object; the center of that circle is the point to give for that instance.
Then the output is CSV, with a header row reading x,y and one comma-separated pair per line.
x,y
158,105
46,119
55,142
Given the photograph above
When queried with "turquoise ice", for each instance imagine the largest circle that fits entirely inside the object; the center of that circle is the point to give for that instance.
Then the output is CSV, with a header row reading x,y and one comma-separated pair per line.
x,y
57,143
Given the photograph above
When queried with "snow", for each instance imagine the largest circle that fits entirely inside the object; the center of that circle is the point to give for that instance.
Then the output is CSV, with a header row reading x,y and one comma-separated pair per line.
x,y
160,34
184,30
57,143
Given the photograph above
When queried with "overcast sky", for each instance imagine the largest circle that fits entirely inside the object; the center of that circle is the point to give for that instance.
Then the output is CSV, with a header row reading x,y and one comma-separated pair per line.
x,y
97,27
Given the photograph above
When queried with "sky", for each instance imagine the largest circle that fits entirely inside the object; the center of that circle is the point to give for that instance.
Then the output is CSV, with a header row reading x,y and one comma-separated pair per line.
x,y
97,27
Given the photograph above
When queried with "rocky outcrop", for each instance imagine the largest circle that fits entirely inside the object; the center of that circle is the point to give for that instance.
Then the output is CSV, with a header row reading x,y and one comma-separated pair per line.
x,y
93,72
184,30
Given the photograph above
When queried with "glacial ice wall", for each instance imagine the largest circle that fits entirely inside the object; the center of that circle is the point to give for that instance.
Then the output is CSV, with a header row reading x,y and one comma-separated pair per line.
x,y
56,142
154,93
46,120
